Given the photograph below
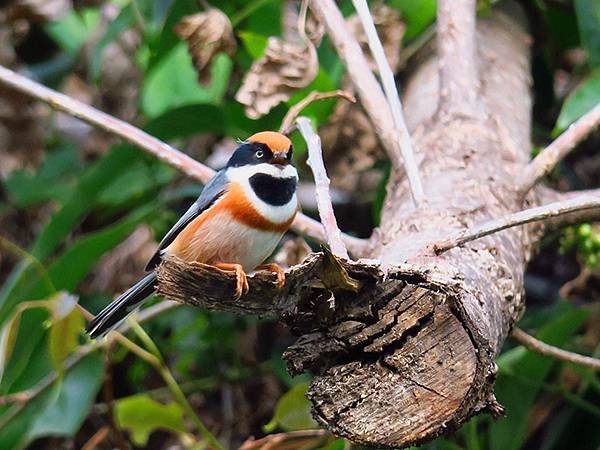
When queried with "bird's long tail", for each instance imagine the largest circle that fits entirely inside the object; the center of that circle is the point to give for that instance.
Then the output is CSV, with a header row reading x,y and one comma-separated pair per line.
x,y
120,308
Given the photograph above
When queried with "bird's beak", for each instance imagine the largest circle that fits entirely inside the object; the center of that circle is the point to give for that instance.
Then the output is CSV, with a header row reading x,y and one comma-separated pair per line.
x,y
280,159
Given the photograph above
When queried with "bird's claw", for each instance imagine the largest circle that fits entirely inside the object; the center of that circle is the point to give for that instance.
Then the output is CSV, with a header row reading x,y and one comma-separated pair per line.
x,y
241,279
275,269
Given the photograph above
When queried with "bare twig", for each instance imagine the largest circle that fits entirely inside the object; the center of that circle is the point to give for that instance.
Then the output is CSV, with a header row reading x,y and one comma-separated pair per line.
x,y
393,99
273,441
315,161
545,212
289,118
535,345
371,96
458,66
170,155
97,439
548,158
548,195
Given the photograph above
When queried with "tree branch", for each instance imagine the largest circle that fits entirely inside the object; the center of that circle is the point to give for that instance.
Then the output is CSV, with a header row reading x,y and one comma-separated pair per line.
x,y
458,65
548,158
393,99
170,155
552,210
537,346
288,120
371,96
315,162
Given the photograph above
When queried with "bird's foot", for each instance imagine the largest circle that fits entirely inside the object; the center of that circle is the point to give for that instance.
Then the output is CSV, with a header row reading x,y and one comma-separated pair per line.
x,y
278,271
241,286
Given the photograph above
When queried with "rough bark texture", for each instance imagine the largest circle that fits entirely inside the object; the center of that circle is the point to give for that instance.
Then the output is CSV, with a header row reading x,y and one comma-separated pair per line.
x,y
411,354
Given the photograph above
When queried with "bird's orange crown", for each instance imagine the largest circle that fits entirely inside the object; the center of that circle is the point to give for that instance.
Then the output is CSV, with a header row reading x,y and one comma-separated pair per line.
x,y
277,142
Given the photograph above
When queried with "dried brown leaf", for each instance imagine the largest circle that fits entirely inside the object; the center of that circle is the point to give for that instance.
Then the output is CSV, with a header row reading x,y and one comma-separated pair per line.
x,y
282,70
207,34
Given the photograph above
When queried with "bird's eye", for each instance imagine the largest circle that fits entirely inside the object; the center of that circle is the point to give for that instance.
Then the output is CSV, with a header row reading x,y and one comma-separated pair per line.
x,y
259,154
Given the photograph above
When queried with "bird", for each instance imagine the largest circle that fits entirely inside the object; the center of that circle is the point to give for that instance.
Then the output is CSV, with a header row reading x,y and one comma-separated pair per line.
x,y
235,224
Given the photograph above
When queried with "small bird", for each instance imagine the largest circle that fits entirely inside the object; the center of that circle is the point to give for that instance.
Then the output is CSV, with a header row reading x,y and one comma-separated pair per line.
x,y
234,225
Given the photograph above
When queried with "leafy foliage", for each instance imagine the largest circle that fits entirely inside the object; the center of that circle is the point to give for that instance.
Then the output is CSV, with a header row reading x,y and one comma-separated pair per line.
x,y
76,212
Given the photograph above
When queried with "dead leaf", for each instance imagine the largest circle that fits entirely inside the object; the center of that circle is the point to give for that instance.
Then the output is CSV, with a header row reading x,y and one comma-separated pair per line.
x,y
207,34
282,70
390,30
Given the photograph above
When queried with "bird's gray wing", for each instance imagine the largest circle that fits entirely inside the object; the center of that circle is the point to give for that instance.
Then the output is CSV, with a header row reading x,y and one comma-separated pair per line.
x,y
211,192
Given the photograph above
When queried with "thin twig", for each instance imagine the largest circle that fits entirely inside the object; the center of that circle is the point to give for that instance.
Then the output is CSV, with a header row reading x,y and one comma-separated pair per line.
x,y
368,89
548,158
170,155
315,162
393,100
273,441
96,439
289,118
458,66
545,212
535,345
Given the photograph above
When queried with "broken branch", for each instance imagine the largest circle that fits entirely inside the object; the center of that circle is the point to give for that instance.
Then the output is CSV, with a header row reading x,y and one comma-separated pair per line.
x,y
315,162
537,346
393,99
548,158
545,212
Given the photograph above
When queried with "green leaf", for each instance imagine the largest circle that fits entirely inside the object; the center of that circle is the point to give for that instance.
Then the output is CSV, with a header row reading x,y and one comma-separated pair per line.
x,y
588,19
8,336
71,31
418,15
54,179
64,337
141,416
64,414
293,411
55,412
520,378
171,83
254,43
583,99
187,120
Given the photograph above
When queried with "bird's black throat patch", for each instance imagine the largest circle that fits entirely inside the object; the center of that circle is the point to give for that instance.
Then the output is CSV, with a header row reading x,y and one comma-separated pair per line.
x,y
272,190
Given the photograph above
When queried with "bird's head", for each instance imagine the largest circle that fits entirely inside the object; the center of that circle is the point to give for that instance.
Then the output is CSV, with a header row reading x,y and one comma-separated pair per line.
x,y
266,147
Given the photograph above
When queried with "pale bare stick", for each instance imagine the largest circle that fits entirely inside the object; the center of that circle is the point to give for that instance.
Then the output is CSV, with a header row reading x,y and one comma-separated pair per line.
x,y
170,155
540,213
368,89
289,118
393,99
537,346
457,51
550,156
315,162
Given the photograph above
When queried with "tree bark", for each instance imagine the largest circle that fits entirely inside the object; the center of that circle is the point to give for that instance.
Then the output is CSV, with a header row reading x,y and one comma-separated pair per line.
x,y
410,354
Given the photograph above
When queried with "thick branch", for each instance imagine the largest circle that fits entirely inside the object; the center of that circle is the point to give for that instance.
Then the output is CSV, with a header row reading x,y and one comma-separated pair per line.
x,y
541,213
535,345
548,158
170,155
458,66
393,99
371,96
315,162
